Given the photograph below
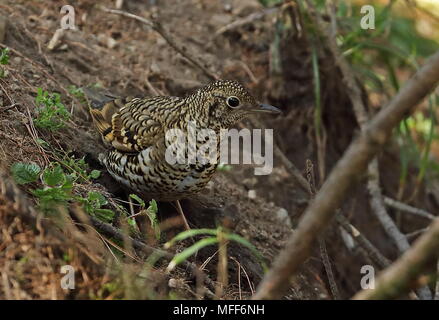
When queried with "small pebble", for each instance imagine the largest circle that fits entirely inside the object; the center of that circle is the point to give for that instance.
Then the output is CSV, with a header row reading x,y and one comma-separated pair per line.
x,y
173,283
282,216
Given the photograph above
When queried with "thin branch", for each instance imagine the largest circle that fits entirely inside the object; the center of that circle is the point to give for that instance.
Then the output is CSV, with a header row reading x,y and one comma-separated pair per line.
x,y
371,250
156,26
344,175
243,21
416,233
399,277
378,208
323,251
328,269
406,208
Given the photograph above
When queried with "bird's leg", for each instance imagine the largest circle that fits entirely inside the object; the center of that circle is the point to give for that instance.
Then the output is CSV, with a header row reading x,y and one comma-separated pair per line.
x,y
180,211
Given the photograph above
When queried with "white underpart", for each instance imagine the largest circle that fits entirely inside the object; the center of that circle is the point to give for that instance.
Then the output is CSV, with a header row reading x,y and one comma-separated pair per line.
x,y
122,164
189,181
144,158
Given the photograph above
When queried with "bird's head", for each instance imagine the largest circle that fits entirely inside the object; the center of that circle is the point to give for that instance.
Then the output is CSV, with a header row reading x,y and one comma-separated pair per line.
x,y
227,102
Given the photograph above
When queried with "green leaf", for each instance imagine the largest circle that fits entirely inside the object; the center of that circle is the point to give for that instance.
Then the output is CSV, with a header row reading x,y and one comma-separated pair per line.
x,y
138,200
153,207
4,56
54,176
94,174
151,212
189,233
132,222
25,172
105,215
92,205
50,198
186,253
51,112
43,143
97,199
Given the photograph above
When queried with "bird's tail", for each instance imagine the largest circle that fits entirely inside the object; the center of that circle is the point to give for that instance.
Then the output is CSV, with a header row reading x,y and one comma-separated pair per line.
x,y
102,106
104,109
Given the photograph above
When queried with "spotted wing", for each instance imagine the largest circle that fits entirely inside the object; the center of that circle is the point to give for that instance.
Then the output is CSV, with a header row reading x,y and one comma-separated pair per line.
x,y
133,124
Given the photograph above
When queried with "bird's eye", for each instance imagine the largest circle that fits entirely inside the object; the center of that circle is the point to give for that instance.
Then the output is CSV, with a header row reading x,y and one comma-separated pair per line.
x,y
233,102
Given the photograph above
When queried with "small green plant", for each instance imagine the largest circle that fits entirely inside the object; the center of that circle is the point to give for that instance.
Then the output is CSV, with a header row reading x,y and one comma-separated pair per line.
x,y
78,93
78,168
4,60
113,288
93,204
52,114
54,177
57,190
216,236
4,56
24,173
66,257
150,212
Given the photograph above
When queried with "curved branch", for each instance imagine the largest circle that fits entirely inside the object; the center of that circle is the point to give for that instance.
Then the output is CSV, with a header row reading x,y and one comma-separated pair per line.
x,y
397,279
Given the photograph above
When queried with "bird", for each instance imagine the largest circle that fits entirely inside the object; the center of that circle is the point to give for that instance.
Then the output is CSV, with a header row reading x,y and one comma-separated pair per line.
x,y
134,130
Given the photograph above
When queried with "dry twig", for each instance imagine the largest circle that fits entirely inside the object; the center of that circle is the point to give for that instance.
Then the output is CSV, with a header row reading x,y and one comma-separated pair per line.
x,y
322,243
406,208
371,250
402,274
243,21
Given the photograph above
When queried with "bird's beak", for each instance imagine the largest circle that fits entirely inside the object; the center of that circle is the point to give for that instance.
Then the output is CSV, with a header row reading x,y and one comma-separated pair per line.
x,y
266,108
